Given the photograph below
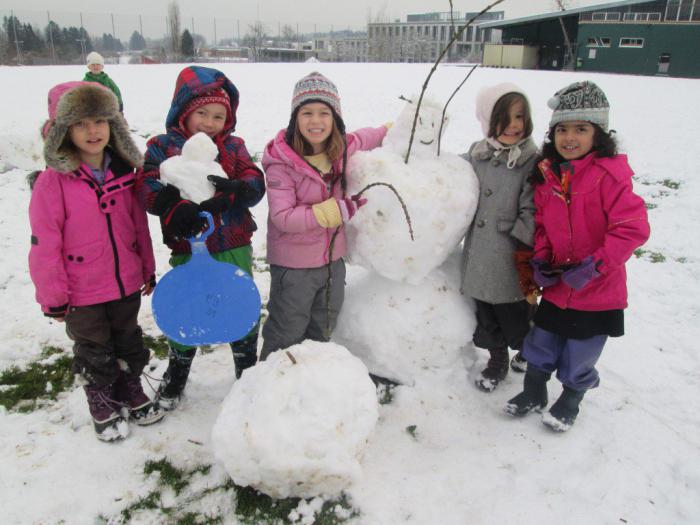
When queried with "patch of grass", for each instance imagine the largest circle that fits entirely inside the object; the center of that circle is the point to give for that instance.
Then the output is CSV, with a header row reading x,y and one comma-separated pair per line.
x,y
654,257
158,344
385,394
682,260
252,507
26,389
671,184
411,429
651,205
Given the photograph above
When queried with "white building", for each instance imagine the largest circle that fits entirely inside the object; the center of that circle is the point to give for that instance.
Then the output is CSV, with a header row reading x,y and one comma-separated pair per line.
x,y
423,36
341,48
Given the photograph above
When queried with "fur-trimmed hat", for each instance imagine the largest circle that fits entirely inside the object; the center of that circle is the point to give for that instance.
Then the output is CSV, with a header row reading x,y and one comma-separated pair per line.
x,y
486,100
73,101
95,58
580,101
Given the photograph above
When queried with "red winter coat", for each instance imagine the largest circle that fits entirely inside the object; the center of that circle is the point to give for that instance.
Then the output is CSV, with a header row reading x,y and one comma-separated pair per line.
x,y
603,218
90,243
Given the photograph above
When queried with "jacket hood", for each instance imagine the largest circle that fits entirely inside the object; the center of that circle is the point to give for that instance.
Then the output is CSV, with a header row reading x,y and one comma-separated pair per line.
x,y
195,81
278,151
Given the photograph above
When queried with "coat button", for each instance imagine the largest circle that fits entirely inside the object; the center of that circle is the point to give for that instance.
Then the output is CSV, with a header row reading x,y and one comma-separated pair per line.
x,y
481,223
488,192
79,258
70,257
112,202
103,205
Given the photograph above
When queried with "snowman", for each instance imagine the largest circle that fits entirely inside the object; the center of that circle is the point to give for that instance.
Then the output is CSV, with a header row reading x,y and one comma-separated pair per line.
x,y
188,171
409,280
297,424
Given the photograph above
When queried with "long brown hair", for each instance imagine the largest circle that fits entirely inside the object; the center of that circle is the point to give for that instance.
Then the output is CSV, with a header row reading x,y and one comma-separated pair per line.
x,y
500,116
333,147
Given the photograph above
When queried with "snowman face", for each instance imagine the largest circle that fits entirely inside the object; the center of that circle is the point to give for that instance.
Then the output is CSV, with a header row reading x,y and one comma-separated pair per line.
x,y
428,124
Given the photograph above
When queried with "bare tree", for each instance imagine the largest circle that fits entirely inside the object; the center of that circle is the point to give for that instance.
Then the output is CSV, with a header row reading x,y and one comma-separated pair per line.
x,y
256,35
288,34
379,41
562,5
174,26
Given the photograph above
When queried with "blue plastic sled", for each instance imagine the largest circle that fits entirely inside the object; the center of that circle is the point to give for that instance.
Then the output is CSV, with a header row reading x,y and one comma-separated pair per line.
x,y
205,301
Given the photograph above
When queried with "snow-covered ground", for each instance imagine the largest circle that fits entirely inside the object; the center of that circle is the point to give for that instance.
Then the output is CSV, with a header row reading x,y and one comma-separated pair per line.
x,y
633,455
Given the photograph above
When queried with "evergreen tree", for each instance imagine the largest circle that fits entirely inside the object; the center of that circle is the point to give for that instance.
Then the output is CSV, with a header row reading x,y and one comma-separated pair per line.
x,y
137,42
187,45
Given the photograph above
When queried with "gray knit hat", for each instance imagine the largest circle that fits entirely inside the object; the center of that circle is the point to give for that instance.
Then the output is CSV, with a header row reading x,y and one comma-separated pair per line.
x,y
314,87
580,101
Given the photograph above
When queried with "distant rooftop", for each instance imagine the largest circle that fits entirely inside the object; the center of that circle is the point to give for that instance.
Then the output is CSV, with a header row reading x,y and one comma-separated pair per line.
x,y
568,12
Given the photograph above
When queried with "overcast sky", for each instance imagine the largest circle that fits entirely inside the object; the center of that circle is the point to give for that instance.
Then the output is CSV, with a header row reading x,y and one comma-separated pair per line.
x,y
307,14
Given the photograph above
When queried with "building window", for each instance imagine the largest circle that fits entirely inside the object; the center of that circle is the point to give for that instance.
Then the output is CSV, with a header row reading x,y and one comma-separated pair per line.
x,y
631,42
597,41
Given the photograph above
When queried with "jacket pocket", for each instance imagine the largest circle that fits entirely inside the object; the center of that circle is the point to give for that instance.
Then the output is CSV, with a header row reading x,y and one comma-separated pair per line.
x,y
504,224
84,266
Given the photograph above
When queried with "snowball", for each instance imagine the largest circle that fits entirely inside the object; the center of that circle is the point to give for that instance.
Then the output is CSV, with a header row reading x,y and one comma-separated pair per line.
x,y
188,171
298,429
441,194
400,330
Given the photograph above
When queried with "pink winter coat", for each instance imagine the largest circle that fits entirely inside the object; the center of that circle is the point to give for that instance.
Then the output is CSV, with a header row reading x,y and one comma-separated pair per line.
x,y
294,238
90,244
603,218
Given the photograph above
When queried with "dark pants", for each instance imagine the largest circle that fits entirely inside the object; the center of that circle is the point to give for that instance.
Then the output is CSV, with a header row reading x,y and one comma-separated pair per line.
x,y
502,325
298,305
103,333
573,359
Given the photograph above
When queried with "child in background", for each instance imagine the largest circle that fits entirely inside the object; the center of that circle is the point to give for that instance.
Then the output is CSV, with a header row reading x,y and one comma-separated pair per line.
x,y
305,170
96,66
205,100
498,245
588,223
91,256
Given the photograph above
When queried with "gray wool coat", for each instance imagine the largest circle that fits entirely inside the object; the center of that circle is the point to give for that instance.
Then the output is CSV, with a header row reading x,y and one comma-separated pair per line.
x,y
505,215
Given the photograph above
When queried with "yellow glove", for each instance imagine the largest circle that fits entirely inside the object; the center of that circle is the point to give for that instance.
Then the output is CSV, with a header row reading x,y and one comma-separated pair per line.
x,y
327,213
388,125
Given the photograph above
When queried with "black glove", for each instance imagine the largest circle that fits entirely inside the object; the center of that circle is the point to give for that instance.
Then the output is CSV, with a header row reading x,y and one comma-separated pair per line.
x,y
241,189
183,220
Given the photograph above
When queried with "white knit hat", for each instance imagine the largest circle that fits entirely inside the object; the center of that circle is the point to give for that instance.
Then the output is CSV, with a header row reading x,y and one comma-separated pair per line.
x,y
486,99
95,58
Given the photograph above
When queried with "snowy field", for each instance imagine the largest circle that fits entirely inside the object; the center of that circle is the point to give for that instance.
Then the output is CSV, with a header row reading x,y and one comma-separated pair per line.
x,y
633,455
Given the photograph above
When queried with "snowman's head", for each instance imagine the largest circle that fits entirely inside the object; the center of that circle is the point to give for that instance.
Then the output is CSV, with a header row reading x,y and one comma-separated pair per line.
x,y
425,140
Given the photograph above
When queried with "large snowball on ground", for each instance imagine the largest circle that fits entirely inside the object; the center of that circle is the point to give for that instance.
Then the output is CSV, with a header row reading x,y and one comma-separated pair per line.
x,y
401,331
441,195
188,171
298,429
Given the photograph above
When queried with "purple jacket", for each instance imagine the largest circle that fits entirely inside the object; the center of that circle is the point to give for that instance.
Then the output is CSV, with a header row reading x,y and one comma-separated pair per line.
x,y
294,238
599,215
90,243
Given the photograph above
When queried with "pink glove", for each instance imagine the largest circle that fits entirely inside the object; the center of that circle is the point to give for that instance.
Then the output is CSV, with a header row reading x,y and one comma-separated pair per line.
x,y
349,206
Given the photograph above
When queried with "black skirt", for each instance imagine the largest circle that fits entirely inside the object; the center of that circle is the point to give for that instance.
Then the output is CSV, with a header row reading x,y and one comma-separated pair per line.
x,y
579,324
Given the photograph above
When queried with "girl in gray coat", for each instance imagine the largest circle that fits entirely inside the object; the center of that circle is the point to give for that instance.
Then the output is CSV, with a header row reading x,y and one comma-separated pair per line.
x,y
497,247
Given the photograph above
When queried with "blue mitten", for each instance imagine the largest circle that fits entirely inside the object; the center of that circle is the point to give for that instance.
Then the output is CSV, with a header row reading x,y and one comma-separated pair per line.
x,y
543,274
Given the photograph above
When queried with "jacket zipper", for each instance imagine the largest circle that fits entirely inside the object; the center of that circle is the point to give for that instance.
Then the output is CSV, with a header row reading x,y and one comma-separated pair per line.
x,y
99,193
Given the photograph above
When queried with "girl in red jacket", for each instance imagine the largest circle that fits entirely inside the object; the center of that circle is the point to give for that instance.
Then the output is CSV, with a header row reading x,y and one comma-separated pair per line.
x,y
588,222
91,256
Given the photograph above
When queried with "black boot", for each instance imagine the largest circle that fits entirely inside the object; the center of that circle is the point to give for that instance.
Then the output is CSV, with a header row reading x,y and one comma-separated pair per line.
x,y
533,396
564,410
175,378
495,371
518,363
245,353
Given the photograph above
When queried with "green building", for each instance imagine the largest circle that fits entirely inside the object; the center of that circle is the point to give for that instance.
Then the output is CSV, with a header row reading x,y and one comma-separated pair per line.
x,y
641,37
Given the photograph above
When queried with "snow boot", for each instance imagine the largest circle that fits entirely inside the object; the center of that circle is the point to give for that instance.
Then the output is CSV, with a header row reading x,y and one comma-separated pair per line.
x,y
245,354
518,363
564,410
533,396
137,406
495,371
106,418
175,378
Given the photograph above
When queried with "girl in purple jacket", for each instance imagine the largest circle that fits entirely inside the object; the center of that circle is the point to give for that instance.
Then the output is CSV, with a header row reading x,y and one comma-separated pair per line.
x,y
91,256
588,222
308,206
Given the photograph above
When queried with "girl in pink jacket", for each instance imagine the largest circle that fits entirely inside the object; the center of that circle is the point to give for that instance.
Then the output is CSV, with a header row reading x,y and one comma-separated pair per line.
x,y
308,206
588,222
91,256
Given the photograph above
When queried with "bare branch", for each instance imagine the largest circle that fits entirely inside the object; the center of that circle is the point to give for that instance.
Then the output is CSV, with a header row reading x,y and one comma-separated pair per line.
x,y
291,357
444,110
454,38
